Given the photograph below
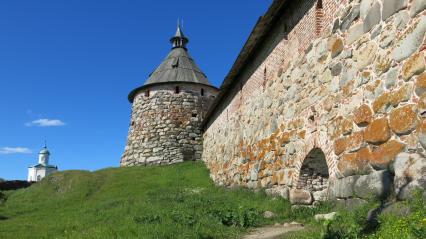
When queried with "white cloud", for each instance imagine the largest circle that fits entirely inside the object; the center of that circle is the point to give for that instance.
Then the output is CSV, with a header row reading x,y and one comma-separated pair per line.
x,y
16,150
45,123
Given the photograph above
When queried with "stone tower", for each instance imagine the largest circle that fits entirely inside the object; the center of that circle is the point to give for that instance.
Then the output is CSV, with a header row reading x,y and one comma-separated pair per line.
x,y
167,111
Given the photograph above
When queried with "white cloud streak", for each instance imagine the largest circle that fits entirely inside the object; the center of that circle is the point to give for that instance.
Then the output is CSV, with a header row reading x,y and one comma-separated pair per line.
x,y
15,150
45,123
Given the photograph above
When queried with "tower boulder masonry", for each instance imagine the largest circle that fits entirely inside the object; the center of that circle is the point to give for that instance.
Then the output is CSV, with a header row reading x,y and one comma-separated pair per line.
x,y
167,111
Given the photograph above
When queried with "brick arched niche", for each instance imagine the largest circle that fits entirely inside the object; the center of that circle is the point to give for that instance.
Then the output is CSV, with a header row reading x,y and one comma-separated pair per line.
x,y
311,178
314,173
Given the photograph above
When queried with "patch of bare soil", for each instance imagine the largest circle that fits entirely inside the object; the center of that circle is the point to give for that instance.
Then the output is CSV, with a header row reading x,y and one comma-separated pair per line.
x,y
272,232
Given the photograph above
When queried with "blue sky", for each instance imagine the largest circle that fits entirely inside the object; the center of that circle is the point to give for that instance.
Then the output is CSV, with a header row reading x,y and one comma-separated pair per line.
x,y
66,67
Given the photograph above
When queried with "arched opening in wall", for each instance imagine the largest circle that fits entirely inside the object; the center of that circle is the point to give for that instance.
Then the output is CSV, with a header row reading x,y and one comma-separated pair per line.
x,y
319,15
147,93
188,155
202,92
177,90
314,172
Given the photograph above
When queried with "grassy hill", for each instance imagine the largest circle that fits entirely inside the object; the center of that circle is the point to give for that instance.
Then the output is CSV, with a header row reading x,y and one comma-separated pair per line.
x,y
178,201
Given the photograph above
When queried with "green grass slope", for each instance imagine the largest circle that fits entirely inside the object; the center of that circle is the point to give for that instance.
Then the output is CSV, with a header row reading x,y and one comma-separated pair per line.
x,y
178,201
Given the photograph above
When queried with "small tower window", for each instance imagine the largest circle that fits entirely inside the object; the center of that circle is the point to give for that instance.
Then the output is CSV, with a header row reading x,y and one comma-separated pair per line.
x,y
147,93
319,4
285,32
194,115
202,92
264,78
177,90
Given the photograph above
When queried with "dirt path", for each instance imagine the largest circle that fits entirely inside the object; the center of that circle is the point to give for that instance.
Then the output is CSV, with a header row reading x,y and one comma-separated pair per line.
x,y
272,232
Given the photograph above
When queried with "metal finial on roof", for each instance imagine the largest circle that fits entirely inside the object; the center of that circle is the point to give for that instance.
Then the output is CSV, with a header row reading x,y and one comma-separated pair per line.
x,y
179,40
44,150
178,66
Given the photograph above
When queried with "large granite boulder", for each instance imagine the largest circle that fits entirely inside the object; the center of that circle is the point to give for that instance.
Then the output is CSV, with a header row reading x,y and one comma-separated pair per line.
x,y
375,185
410,174
353,203
278,192
373,17
342,188
410,42
299,196
417,6
392,6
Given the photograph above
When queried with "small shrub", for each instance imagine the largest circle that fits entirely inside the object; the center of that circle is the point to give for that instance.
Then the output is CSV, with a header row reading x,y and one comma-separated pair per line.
x,y
340,228
411,226
241,217
348,224
2,197
251,217
183,218
2,200
303,213
149,219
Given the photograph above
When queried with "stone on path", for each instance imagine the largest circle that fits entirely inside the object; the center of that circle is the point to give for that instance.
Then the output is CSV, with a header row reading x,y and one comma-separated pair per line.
x,y
268,214
328,216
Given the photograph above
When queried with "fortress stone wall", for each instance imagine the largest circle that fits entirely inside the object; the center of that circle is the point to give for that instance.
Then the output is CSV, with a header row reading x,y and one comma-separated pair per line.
x,y
165,124
331,104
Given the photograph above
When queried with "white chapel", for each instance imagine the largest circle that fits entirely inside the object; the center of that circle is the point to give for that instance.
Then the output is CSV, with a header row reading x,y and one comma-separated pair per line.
x,y
42,169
